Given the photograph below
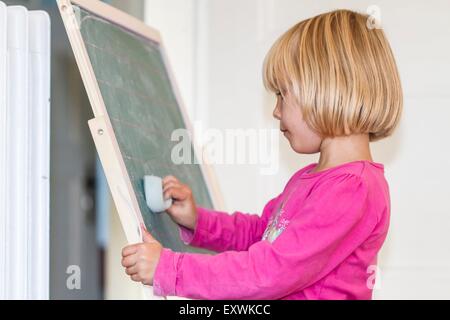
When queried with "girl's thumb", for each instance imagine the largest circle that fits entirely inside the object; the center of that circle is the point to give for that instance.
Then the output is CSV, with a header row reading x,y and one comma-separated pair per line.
x,y
146,236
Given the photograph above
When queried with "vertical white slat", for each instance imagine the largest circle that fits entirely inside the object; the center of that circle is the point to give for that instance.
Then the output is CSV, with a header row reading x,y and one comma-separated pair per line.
x,y
39,100
3,120
17,153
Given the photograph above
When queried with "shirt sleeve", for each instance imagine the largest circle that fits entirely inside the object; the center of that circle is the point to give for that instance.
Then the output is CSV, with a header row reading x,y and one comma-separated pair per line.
x,y
220,231
326,229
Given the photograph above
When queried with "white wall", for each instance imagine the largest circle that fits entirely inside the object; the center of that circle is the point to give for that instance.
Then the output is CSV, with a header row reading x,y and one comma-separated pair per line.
x,y
217,49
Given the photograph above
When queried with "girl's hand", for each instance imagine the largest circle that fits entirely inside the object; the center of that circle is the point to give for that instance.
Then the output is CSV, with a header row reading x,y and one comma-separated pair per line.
x,y
183,210
140,260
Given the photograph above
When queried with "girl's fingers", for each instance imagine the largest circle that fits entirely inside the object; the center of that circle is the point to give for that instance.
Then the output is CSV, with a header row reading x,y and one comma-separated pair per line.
x,y
128,250
170,184
176,193
129,261
135,277
131,270
169,178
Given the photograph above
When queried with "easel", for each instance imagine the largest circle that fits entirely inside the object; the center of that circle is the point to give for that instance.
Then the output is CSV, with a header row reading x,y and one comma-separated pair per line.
x,y
101,128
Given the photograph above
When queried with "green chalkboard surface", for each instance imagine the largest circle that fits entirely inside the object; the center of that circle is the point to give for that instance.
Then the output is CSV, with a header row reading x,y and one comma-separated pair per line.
x,y
144,111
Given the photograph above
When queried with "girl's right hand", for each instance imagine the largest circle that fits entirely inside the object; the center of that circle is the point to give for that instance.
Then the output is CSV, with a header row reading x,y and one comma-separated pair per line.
x,y
183,210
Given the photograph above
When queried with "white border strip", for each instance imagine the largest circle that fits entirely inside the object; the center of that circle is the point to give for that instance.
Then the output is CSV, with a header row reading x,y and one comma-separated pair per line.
x,y
3,40
39,75
17,154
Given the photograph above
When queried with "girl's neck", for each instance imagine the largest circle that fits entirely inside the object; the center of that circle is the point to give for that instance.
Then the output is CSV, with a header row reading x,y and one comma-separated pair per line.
x,y
339,150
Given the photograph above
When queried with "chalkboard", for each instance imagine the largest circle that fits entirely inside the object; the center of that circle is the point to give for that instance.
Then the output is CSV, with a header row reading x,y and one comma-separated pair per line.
x,y
144,111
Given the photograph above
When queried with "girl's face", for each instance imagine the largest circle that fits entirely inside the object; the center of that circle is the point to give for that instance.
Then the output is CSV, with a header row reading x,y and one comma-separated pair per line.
x,y
301,137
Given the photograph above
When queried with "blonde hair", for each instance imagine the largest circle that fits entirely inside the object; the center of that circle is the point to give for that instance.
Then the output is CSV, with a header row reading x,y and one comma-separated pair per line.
x,y
341,73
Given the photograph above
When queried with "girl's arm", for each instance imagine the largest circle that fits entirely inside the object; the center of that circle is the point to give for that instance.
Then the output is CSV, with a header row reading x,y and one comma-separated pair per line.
x,y
327,229
220,231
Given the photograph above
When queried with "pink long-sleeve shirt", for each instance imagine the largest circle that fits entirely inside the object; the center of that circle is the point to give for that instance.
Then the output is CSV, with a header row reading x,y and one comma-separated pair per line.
x,y
321,244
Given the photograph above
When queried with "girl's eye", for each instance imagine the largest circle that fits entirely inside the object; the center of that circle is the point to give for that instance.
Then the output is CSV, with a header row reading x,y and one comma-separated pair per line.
x,y
278,93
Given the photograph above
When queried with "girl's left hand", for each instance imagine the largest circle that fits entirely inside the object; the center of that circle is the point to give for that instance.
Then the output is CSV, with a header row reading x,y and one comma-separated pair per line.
x,y
140,260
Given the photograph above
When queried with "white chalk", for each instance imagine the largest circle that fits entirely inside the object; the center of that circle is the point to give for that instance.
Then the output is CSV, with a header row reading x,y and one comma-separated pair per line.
x,y
154,194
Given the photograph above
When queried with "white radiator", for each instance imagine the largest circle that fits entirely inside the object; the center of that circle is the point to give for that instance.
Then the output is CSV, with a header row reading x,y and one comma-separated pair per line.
x,y
24,153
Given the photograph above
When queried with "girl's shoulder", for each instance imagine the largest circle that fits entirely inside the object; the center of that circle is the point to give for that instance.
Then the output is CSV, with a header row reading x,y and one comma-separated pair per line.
x,y
359,168
366,176
370,174
299,173
362,171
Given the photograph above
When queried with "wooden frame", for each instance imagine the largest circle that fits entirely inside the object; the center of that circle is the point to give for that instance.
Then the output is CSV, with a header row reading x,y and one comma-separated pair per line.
x,y
101,128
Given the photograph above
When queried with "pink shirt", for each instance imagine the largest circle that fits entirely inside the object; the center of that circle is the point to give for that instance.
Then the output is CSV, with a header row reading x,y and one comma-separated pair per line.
x,y
321,244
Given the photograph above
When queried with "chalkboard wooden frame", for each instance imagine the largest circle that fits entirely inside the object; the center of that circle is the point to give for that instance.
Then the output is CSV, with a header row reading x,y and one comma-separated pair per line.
x,y
101,128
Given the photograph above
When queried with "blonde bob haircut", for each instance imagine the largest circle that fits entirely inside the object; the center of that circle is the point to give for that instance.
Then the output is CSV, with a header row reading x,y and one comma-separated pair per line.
x,y
341,72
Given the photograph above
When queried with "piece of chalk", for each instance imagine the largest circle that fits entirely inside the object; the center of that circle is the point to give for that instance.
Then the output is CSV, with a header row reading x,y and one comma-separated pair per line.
x,y
154,194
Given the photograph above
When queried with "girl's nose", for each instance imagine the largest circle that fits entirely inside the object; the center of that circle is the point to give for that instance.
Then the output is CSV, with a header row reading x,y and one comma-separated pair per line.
x,y
276,113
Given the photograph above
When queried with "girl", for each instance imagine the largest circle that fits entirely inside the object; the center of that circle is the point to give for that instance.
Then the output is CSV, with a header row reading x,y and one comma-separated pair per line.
x,y
338,89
